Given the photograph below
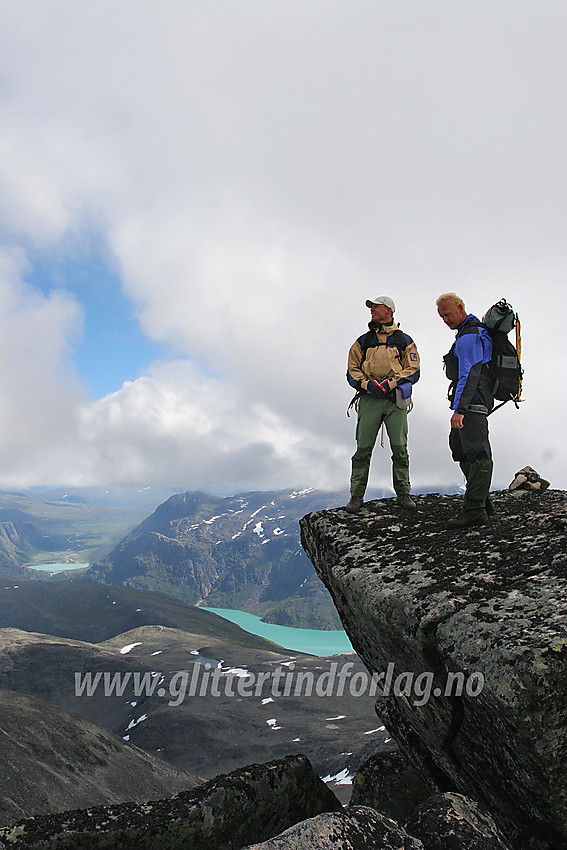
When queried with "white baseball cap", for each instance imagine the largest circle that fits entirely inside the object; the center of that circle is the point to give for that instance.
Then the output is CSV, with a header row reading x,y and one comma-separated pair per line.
x,y
382,299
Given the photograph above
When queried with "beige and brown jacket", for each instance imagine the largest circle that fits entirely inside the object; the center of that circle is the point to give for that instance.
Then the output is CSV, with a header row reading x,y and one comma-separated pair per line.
x,y
384,352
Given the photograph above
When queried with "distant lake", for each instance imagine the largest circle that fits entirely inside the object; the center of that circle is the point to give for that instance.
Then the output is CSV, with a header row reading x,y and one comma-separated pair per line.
x,y
313,641
56,568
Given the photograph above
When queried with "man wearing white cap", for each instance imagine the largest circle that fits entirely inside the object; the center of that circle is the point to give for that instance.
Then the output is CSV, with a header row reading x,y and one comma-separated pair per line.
x,y
383,364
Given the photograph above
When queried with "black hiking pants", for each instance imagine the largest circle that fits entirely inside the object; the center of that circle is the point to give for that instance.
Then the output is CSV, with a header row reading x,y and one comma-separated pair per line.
x,y
471,449
470,443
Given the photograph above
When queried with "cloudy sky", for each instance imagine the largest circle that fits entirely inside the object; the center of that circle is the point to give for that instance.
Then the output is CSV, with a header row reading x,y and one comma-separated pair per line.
x,y
198,196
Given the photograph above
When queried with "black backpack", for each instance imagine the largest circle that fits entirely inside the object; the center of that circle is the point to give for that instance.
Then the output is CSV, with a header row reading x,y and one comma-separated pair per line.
x,y
505,367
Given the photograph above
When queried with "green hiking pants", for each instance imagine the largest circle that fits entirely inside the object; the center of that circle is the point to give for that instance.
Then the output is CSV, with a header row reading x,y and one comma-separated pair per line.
x,y
371,413
478,475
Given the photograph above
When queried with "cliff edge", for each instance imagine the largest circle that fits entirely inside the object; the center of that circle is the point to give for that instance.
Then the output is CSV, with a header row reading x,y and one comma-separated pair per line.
x,y
466,635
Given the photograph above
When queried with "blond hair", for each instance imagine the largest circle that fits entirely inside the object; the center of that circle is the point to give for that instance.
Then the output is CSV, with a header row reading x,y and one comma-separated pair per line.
x,y
452,298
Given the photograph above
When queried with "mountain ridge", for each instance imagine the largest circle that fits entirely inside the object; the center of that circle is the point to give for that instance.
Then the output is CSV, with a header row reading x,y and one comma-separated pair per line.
x,y
241,552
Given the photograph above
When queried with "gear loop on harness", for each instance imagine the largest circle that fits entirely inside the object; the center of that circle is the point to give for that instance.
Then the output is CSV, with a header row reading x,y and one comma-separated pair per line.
x,y
354,403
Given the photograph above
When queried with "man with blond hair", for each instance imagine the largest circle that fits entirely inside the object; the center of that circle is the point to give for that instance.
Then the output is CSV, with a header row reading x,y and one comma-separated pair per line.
x,y
383,364
471,400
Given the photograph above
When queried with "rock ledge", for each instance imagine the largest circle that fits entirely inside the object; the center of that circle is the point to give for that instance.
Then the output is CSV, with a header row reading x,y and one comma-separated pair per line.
x,y
487,607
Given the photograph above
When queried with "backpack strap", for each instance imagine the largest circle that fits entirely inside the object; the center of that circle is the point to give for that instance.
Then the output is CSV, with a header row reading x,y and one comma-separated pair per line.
x,y
502,403
366,343
399,342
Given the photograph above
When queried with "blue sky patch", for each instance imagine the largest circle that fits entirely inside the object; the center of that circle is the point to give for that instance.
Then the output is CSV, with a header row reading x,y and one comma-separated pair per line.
x,y
113,347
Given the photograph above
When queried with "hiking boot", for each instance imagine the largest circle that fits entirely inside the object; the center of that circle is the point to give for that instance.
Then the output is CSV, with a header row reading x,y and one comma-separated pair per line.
x,y
354,505
466,521
489,507
406,501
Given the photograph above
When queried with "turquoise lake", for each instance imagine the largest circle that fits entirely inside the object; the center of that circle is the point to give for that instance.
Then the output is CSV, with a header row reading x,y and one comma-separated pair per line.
x,y
313,641
57,568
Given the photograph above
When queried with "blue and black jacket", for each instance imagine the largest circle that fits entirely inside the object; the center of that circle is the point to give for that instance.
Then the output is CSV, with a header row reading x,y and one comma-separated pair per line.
x,y
466,367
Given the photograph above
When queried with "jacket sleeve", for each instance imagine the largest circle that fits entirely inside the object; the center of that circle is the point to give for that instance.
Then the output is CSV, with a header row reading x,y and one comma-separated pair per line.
x,y
355,375
410,365
469,350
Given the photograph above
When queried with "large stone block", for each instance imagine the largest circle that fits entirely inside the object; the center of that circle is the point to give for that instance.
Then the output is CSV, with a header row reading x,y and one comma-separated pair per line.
x,y
250,804
468,632
389,783
355,829
453,822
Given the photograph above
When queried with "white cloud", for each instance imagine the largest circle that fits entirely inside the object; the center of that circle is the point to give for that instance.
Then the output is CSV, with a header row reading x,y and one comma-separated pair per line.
x,y
258,171
174,426
39,392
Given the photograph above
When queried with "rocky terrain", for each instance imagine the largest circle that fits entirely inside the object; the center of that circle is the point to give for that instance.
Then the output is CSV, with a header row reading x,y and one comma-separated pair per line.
x,y
240,552
17,538
90,611
465,634
52,632
258,801
281,805
469,632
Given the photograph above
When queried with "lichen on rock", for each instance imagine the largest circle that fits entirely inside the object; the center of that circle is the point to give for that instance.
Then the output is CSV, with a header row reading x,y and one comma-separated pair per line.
x,y
483,610
252,803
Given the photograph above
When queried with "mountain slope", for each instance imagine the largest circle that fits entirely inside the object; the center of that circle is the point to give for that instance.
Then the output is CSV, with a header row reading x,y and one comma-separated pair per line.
x,y
196,729
89,611
239,552
153,687
53,761
17,539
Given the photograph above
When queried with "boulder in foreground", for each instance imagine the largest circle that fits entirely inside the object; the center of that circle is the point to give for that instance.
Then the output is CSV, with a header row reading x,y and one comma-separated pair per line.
x,y
472,626
453,822
250,804
355,829
389,783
